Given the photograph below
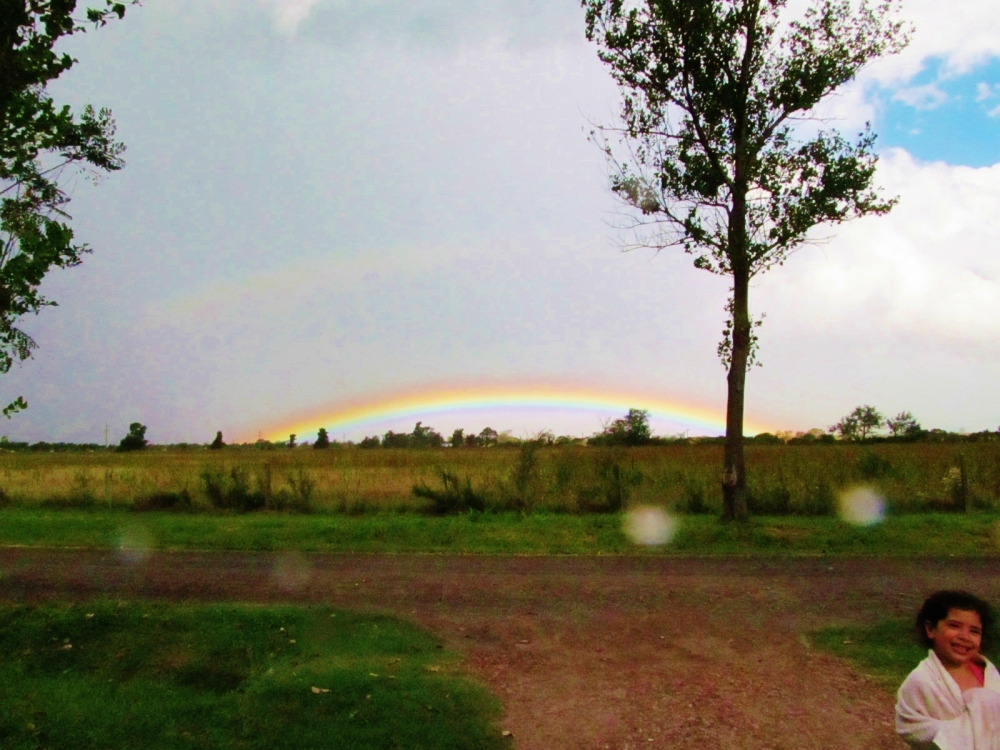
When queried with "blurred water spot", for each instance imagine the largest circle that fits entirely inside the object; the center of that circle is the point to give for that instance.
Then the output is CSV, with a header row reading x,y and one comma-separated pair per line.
x,y
134,544
650,526
862,506
292,571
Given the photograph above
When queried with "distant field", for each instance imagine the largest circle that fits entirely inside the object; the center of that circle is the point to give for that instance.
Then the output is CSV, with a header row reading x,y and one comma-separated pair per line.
x,y
798,480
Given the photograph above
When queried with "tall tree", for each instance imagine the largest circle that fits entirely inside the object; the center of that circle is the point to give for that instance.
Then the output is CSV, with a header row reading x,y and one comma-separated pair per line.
x,y
322,439
39,141
707,155
903,424
859,424
135,440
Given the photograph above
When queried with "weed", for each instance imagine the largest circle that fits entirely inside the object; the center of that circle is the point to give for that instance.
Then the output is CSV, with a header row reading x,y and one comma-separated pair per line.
x,y
873,466
695,496
298,498
455,497
231,491
774,501
175,501
615,482
524,479
821,500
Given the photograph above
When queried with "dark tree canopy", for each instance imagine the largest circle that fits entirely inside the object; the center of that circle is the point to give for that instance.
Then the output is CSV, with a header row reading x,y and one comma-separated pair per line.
x,y
903,424
860,424
135,440
322,439
631,430
707,156
39,141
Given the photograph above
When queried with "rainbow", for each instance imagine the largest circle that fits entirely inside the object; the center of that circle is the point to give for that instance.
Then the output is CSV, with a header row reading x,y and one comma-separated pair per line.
x,y
426,403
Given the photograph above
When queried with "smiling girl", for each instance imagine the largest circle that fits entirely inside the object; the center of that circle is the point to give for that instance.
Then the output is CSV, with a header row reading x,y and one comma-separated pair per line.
x,y
951,701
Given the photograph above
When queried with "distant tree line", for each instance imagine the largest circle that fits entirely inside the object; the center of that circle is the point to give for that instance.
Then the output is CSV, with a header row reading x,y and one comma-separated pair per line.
x,y
865,424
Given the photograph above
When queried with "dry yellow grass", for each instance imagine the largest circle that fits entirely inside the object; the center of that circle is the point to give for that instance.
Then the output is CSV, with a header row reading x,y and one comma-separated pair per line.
x,y
794,479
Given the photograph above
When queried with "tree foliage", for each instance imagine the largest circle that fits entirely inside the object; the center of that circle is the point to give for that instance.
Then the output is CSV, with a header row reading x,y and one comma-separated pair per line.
x,y
860,424
903,424
218,444
39,141
135,440
322,439
631,430
707,156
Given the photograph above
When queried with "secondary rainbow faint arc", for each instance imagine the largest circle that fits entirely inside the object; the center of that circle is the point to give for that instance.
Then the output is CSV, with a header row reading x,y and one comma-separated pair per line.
x,y
422,405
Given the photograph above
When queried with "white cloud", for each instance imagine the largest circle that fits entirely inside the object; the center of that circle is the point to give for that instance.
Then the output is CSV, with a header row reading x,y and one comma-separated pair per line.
x,y
964,34
288,14
922,97
929,270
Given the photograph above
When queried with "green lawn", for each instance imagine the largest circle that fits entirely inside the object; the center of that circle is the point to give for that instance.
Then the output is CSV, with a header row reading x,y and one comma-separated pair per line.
x,y
114,675
886,651
966,535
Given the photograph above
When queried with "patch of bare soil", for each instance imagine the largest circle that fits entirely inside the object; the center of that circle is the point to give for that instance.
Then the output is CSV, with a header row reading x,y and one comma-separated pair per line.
x,y
586,653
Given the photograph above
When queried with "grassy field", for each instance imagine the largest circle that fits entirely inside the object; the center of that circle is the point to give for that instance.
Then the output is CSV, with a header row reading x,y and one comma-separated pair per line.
x,y
886,651
154,676
929,534
797,480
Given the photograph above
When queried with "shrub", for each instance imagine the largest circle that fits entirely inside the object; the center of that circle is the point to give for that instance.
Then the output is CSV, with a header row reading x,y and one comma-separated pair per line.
x,y
820,500
611,492
695,496
631,430
774,501
873,466
957,484
299,499
175,501
524,479
766,438
455,497
232,491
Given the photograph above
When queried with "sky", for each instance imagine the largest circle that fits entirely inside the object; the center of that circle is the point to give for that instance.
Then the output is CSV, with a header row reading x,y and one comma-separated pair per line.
x,y
339,212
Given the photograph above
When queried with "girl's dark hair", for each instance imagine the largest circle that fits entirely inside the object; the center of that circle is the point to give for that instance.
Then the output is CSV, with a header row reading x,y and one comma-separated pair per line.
x,y
938,605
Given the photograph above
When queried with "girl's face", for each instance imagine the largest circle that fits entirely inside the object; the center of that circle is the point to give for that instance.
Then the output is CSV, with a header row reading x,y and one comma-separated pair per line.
x,y
956,639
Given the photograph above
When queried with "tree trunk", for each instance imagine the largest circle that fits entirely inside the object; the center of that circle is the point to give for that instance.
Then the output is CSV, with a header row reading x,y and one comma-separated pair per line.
x,y
734,478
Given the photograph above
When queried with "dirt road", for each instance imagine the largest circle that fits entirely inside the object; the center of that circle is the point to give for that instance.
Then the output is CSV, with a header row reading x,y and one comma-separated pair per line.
x,y
586,653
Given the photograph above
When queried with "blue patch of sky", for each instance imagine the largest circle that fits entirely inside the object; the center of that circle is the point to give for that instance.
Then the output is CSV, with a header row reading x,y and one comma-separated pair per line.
x,y
937,117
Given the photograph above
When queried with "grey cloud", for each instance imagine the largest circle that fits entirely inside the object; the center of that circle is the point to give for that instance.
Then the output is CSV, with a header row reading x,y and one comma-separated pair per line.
x,y
444,24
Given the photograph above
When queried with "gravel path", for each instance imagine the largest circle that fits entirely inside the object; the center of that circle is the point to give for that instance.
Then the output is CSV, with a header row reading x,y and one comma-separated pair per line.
x,y
586,653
